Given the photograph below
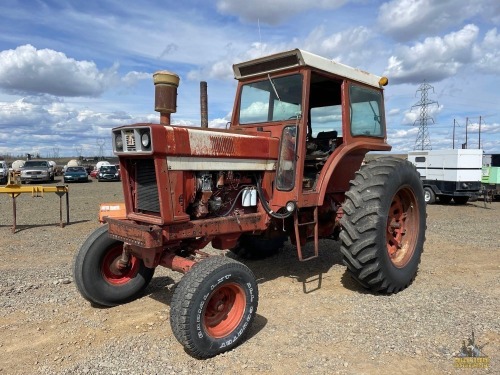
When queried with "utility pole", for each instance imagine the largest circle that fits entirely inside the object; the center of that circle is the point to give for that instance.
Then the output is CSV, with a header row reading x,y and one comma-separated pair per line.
x,y
479,147
466,126
423,141
454,123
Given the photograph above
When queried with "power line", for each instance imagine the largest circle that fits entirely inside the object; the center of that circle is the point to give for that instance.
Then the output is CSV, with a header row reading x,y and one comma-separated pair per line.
x,y
423,141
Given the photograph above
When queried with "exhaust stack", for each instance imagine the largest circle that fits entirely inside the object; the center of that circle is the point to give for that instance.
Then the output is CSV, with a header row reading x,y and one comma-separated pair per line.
x,y
166,84
204,104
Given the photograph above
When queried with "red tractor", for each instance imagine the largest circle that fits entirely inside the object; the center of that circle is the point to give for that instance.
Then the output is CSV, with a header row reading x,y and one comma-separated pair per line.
x,y
289,166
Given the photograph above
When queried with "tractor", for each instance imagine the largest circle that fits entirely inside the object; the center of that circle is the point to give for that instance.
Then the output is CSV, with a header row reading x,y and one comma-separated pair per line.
x,y
290,166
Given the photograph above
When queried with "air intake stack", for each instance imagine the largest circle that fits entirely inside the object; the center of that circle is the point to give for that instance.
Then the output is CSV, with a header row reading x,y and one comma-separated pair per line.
x,y
166,84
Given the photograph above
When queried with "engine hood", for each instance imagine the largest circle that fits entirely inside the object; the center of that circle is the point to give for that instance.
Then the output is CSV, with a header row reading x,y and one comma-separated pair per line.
x,y
196,142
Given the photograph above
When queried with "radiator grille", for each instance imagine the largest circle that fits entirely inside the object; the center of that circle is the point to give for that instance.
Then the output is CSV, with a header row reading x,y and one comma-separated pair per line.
x,y
147,189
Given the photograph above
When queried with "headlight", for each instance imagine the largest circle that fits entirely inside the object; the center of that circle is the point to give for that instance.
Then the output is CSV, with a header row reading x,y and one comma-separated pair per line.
x,y
119,142
291,206
145,140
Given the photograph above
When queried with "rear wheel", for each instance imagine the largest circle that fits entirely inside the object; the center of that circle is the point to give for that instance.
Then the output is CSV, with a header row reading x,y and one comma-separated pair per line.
x,y
384,225
99,277
213,306
429,195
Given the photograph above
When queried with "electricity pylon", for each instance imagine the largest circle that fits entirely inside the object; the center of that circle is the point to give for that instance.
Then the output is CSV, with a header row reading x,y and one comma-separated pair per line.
x,y
423,141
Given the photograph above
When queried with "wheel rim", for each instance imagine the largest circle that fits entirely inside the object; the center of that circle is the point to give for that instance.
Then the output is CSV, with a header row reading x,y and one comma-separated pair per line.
x,y
115,274
224,310
402,227
427,195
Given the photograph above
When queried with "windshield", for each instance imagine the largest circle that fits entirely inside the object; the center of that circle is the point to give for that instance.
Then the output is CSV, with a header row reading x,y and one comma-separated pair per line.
x,y
108,168
34,163
271,99
75,169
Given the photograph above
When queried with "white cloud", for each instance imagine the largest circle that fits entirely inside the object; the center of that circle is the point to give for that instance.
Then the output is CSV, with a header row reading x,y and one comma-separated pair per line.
x,y
222,68
272,12
29,70
131,78
45,122
406,19
221,123
488,53
434,59
348,46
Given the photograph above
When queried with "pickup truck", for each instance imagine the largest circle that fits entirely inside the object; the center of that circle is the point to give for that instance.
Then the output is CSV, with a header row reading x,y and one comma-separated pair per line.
x,y
37,170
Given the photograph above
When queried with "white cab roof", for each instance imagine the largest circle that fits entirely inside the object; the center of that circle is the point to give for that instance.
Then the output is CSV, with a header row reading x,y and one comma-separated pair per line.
x,y
297,57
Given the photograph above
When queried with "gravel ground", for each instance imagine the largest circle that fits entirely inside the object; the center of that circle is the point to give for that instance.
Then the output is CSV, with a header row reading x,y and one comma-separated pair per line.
x,y
312,317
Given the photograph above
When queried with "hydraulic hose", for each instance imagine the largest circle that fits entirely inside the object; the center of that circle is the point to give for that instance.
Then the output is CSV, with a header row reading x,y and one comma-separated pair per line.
x,y
268,209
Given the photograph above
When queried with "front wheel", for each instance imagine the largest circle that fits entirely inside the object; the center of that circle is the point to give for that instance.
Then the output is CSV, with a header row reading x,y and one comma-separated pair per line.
x,y
384,225
98,276
213,306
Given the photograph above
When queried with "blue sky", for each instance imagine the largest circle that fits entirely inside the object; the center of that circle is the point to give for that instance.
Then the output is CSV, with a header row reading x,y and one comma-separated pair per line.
x,y
72,70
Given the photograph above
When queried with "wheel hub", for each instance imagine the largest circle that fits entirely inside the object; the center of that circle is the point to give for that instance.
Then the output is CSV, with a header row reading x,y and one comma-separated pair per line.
x,y
224,310
401,230
114,270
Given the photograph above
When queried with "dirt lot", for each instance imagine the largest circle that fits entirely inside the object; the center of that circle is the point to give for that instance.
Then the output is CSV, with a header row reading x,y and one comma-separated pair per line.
x,y
312,317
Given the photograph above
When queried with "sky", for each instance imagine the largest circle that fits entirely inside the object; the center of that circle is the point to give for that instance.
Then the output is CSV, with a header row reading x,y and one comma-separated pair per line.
x,y
72,70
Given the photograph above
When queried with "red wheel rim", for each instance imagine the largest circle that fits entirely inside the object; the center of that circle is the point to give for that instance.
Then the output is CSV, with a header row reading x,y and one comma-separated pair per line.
x,y
224,310
402,227
112,272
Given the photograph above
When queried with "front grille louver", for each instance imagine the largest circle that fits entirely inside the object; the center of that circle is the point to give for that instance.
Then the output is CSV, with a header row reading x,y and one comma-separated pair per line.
x,y
147,188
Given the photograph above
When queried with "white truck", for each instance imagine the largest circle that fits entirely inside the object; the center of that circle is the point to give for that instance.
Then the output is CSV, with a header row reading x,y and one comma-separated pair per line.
x,y
449,174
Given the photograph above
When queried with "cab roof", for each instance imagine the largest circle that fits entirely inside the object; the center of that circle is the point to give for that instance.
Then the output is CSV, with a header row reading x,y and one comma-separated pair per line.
x,y
296,58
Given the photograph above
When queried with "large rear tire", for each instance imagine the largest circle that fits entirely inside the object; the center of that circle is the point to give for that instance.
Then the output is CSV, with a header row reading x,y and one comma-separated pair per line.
x,y
213,306
384,225
97,276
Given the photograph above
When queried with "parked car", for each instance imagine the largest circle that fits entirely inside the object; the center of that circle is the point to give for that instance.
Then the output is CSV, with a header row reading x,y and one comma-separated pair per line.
x,y
76,174
93,173
108,173
4,172
37,170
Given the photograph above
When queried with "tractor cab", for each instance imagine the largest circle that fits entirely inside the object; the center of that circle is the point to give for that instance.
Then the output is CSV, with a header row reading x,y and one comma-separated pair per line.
x,y
327,116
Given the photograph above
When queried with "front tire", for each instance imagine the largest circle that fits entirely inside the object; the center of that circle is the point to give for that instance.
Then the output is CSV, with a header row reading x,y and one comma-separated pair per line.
x,y
213,306
384,225
97,277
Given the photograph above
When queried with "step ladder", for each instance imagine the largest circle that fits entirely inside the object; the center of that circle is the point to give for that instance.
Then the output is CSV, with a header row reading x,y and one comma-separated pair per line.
x,y
296,225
